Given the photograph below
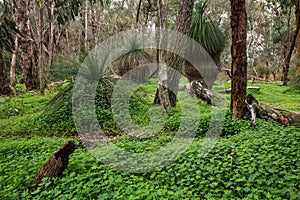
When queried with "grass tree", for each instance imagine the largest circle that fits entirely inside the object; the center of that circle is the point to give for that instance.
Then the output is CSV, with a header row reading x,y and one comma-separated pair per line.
x,y
208,33
133,56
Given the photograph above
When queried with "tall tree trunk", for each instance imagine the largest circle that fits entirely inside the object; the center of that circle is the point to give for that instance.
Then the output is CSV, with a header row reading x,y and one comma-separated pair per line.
x,y
298,46
14,64
51,50
239,58
162,96
288,57
3,80
86,20
41,57
183,23
27,49
256,41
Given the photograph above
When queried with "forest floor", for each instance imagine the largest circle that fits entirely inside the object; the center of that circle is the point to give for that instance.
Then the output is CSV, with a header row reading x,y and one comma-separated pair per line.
x,y
244,164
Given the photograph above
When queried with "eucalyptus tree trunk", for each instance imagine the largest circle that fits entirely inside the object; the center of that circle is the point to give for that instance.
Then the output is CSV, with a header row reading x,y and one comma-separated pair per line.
x,y
86,20
51,50
287,59
41,56
13,64
4,89
256,40
27,47
183,22
298,46
162,95
239,58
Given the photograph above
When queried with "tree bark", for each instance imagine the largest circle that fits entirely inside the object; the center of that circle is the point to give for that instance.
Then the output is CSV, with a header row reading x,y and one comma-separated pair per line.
x,y
298,48
183,22
41,52
27,46
253,108
239,58
14,64
284,117
288,57
205,94
4,88
162,94
56,163
86,20
51,49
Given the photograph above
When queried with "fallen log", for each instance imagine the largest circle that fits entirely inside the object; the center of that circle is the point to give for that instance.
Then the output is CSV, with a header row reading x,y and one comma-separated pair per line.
x,y
255,110
202,92
56,163
284,117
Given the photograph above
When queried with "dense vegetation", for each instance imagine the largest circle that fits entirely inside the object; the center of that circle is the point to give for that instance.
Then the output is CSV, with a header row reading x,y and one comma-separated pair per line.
x,y
44,43
245,164
261,164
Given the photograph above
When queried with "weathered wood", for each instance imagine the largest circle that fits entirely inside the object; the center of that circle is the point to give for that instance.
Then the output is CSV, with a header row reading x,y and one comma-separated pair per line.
x,y
284,117
202,92
251,107
56,163
254,109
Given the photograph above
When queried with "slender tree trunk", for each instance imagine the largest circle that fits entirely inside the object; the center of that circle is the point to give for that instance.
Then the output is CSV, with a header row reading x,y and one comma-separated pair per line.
x,y
239,58
298,45
26,54
14,64
256,42
51,50
41,57
3,80
86,20
288,57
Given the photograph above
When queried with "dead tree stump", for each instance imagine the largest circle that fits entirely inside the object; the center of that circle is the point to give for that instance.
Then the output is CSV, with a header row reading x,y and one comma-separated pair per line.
x,y
56,163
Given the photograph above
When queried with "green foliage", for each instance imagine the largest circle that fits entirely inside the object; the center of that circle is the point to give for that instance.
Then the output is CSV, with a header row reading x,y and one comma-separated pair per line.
x,y
66,11
261,164
22,104
133,55
21,160
207,32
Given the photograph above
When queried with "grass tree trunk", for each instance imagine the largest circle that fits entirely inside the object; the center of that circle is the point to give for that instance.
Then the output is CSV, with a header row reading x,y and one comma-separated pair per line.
x,y
239,58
